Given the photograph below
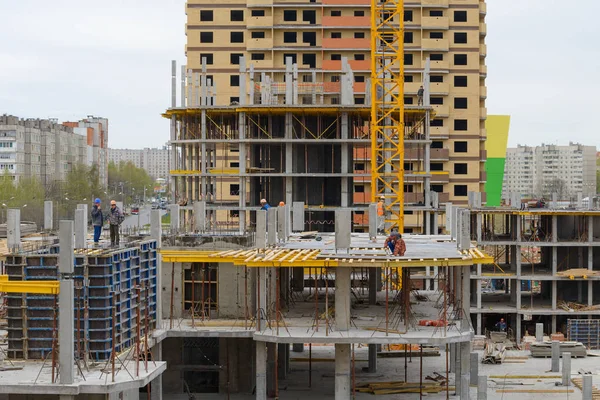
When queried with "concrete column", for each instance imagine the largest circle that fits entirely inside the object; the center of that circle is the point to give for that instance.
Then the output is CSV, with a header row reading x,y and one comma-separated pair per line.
x,y
474,368
342,298
272,226
539,333
345,161
298,216
283,219
482,387
587,388
13,229
174,213
156,384
343,382
343,230
553,324
66,303
261,229
373,286
283,351
48,215
261,371
455,357
465,369
372,358
554,229
200,216
518,330
373,221
80,229
566,372
555,356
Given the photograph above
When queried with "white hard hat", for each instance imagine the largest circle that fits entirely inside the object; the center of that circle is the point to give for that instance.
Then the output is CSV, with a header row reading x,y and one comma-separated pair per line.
x,y
263,201
382,197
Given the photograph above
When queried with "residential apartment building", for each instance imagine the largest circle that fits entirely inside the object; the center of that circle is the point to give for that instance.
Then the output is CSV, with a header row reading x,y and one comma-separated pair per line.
x,y
317,35
154,161
541,170
48,150
95,130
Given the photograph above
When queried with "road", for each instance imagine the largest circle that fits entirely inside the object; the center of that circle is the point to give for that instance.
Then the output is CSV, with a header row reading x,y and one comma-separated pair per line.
x,y
143,218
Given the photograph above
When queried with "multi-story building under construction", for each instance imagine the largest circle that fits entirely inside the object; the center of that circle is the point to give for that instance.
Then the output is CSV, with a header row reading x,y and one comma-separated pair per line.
x,y
319,152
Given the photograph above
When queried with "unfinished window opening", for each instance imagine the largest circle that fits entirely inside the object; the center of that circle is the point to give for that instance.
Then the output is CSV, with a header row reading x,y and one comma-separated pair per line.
x,y
436,57
234,213
258,13
436,35
236,15
206,37
310,38
436,13
359,13
460,190
408,100
335,78
336,57
460,147
460,16
234,164
460,81
258,35
436,78
233,100
460,59
436,166
460,103
408,59
409,188
206,15
257,56
359,166
461,125
290,37
335,100
408,78
408,37
359,78
437,188
436,122
460,37
437,144
437,101
359,35
336,35
234,189
237,37
336,13
359,100
408,166
359,188
309,59
234,80
408,15
359,57
208,57
309,16
234,58
205,281
460,169
290,15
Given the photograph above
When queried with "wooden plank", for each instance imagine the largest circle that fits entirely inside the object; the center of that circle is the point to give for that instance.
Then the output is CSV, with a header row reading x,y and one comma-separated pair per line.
x,y
535,391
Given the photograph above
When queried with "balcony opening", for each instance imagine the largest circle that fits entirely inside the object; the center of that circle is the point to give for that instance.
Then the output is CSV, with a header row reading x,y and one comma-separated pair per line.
x,y
437,144
290,37
436,78
290,15
436,35
309,16
310,38
436,13
309,59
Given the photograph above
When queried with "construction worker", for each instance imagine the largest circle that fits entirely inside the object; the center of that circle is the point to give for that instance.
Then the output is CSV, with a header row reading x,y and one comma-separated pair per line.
x,y
381,215
395,244
501,325
420,94
281,204
264,205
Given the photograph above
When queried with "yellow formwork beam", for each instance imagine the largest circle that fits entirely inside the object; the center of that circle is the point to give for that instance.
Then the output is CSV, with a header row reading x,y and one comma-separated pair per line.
x,y
32,287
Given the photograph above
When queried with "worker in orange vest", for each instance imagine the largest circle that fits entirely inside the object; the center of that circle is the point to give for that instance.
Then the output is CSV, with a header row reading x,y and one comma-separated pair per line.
x,y
381,215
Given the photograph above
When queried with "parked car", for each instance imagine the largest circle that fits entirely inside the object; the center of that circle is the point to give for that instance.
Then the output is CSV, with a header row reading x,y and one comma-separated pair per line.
x,y
135,210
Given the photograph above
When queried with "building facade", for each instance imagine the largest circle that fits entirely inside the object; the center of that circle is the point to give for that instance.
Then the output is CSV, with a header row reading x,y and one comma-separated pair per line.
x,y
154,161
318,36
47,150
542,170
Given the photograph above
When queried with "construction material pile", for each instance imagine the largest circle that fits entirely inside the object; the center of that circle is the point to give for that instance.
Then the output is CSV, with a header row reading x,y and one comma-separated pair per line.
x,y
395,387
571,306
493,353
544,349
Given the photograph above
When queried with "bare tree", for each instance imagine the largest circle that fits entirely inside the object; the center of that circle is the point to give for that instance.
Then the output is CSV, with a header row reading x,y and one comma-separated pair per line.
x,y
558,186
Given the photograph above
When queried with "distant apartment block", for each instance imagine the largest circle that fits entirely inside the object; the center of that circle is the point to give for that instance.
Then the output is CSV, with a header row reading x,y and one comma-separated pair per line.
x,y
541,170
154,161
47,150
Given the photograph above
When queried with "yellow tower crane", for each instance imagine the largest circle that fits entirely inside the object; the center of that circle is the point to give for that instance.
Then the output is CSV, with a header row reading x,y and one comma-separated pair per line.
x,y
387,109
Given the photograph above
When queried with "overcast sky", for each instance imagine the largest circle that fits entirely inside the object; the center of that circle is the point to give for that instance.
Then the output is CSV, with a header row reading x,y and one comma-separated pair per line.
x,y
67,59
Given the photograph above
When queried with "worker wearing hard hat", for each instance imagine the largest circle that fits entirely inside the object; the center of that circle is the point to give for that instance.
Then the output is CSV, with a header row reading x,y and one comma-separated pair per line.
x,y
264,205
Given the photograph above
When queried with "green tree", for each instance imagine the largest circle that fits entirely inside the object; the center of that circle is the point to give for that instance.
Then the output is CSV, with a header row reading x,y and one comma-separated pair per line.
x,y
127,182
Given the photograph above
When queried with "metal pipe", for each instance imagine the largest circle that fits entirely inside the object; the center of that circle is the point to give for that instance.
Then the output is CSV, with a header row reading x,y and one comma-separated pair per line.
x,y
387,291
316,301
258,299
310,365
245,297
326,303
277,295
193,305
421,372
202,292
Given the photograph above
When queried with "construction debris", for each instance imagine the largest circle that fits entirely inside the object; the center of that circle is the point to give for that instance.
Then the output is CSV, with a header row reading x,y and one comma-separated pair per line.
x,y
572,306
578,382
577,273
544,349
494,353
535,391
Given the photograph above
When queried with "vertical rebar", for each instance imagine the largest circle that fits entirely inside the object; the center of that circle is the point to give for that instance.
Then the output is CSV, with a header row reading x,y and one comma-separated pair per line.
x,y
172,295
245,297
202,292
353,373
146,327
114,336
316,301
193,303
138,321
447,385
387,291
277,295
258,315
310,365
326,303
54,335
